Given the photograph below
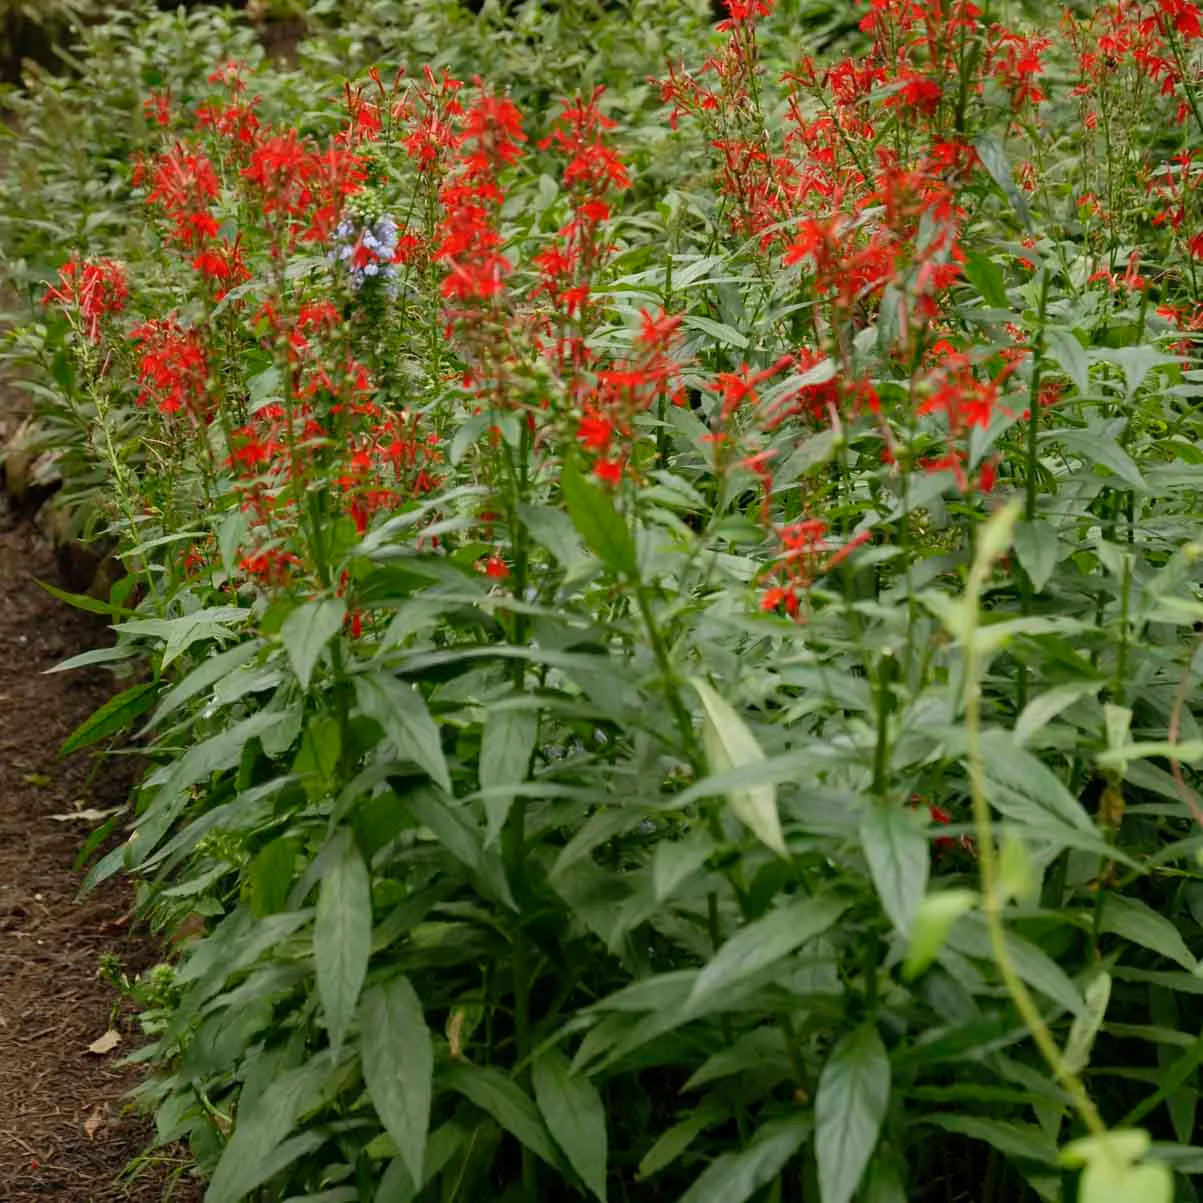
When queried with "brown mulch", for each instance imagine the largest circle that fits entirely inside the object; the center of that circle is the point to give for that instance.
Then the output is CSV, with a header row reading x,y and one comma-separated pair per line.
x,y
65,1132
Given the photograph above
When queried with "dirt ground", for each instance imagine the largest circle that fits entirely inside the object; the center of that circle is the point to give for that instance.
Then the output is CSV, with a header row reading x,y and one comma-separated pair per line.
x,y
64,1130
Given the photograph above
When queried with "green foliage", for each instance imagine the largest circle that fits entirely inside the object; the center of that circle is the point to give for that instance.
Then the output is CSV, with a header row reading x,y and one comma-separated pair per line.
x,y
744,757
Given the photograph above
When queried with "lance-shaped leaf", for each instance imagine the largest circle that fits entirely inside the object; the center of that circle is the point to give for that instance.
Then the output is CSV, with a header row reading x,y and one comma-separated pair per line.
x,y
405,721
854,1090
342,936
506,748
307,630
398,1064
730,745
760,944
575,1117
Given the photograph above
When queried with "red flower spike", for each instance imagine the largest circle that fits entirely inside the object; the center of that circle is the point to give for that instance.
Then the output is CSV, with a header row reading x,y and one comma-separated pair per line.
x,y
94,287
173,368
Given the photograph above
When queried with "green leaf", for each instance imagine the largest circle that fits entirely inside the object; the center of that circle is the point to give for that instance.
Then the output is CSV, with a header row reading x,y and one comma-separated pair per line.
x,y
98,655
401,712
1171,1077
179,634
173,780
270,876
342,936
573,1112
1041,710
810,453
1136,921
995,534
760,944
553,530
761,1049
506,748
850,1104
251,1157
896,848
84,601
469,431
675,860
1024,1141
1024,789
987,277
1136,361
318,757
1035,966
281,1157
593,514
736,1177
933,922
453,827
1038,550
883,1182
206,674
1070,356
1188,751
307,630
730,745
505,1101
398,1066
115,715
1101,448
994,159
673,1142
396,1186
720,332
1124,1146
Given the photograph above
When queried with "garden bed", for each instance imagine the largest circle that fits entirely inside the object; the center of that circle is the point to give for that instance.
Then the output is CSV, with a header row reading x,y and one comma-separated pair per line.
x,y
65,1130
657,590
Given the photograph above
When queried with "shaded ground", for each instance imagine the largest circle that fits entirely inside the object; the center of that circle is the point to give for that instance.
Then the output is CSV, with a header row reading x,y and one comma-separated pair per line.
x,y
63,1131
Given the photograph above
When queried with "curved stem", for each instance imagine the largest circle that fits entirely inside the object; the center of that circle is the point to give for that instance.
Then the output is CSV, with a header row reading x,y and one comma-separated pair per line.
x,y
991,893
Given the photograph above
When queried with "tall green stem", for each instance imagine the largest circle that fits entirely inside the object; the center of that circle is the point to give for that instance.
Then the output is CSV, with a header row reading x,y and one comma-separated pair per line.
x,y
992,893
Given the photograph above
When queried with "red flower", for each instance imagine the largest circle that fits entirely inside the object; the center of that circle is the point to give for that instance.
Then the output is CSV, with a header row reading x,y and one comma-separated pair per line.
x,y
1185,16
223,265
96,287
917,92
494,124
608,470
658,332
737,387
183,183
780,595
238,122
806,556
744,13
157,107
299,182
173,368
469,243
595,432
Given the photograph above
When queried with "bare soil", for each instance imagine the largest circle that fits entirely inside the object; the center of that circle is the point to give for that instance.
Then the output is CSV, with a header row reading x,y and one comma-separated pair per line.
x,y
65,1132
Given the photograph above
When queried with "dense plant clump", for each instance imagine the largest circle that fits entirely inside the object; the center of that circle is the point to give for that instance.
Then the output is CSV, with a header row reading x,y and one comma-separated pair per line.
x,y
661,609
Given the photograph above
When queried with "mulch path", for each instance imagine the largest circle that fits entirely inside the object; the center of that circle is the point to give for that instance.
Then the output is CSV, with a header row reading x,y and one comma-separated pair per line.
x,y
65,1132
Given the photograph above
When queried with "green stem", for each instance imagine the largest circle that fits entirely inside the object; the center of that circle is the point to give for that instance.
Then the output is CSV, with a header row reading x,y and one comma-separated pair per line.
x,y
514,849
672,691
991,893
1032,497
1184,72
885,700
